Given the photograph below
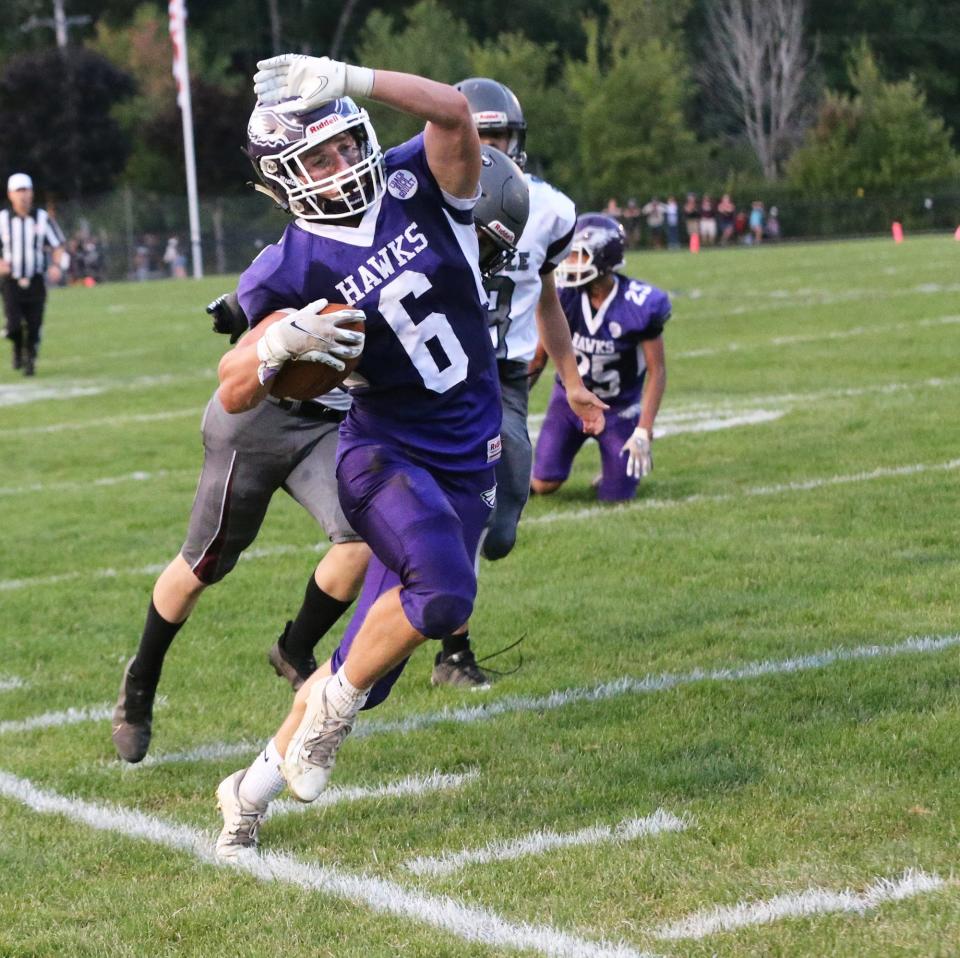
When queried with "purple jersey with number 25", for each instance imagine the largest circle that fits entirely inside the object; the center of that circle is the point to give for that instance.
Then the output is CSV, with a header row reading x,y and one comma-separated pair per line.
x,y
428,378
608,342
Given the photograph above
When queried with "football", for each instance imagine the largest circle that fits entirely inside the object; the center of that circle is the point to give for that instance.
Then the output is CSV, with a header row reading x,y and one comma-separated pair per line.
x,y
302,379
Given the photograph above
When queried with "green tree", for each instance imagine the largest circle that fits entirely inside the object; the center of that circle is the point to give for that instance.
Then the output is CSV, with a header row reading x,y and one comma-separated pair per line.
x,y
56,116
627,116
222,101
432,43
878,139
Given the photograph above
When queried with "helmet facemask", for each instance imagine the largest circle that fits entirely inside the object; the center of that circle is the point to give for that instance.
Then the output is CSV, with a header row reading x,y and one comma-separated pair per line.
x,y
343,194
578,268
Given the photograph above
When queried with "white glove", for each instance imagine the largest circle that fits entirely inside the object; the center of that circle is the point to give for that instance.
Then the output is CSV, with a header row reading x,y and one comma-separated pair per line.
x,y
639,453
308,335
313,80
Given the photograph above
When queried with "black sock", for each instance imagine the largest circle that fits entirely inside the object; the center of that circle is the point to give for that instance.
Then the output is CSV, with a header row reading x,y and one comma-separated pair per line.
x,y
158,633
316,616
452,644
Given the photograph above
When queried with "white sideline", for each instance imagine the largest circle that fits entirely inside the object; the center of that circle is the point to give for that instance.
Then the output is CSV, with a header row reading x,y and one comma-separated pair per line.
x,y
18,394
598,693
813,901
829,336
412,785
588,512
536,843
10,682
75,485
802,485
467,922
99,423
71,716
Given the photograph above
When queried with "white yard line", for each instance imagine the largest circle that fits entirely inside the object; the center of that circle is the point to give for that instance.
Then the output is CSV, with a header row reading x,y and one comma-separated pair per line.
x,y
103,421
18,394
10,682
540,842
411,786
800,485
99,482
72,716
466,922
813,901
627,685
800,339
569,515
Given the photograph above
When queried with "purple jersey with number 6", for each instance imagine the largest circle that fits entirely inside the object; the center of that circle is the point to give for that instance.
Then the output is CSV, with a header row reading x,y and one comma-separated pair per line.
x,y
427,377
608,342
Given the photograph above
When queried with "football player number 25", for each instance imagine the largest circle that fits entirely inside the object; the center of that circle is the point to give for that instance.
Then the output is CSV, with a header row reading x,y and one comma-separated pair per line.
x,y
431,343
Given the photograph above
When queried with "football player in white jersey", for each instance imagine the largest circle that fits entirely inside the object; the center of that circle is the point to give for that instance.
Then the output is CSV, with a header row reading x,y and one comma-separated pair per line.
x,y
524,311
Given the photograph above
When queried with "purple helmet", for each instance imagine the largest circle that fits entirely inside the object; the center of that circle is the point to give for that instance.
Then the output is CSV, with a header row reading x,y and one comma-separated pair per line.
x,y
276,143
598,246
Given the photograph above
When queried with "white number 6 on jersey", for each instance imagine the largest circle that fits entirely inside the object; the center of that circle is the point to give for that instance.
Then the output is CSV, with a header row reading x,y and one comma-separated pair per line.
x,y
414,337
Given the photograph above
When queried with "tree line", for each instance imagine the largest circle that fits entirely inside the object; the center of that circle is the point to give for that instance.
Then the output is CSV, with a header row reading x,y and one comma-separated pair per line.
x,y
622,97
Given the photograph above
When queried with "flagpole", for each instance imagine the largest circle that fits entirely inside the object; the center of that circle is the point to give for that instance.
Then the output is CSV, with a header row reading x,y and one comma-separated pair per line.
x,y
181,72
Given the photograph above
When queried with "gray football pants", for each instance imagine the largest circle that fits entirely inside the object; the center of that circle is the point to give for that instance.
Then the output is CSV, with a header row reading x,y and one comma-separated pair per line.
x,y
515,465
247,457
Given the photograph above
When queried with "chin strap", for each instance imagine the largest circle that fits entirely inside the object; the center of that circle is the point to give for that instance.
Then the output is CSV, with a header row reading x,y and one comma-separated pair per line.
x,y
506,648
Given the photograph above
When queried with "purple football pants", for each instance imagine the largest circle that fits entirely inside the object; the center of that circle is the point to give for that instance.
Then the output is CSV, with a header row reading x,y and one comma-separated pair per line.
x,y
561,437
424,527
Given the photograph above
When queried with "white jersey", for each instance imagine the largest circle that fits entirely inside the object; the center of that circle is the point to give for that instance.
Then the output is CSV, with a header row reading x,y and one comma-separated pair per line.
x,y
514,293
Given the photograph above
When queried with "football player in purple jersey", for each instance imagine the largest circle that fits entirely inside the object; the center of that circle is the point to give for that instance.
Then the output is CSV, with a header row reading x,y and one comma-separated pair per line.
x,y
392,237
617,328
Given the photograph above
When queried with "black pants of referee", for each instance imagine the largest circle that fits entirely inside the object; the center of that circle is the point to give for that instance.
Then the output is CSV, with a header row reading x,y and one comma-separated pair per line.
x,y
23,306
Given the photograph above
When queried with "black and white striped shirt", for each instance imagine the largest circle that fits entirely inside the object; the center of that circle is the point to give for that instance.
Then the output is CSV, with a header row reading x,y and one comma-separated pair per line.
x,y
23,242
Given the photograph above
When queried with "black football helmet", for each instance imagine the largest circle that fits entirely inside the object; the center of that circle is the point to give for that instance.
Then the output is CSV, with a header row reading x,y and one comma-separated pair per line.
x,y
599,244
495,108
501,212
277,141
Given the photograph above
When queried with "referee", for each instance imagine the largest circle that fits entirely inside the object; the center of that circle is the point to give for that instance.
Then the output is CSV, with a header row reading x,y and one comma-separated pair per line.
x,y
25,235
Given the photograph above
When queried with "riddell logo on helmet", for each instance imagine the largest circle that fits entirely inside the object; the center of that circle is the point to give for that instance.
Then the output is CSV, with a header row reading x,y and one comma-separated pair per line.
x,y
323,124
502,231
490,118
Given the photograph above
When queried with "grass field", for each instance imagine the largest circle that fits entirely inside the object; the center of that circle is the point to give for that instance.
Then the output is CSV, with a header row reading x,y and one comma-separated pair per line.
x,y
740,690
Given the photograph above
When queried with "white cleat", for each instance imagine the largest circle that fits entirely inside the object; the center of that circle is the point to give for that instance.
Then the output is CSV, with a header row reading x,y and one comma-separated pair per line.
x,y
241,820
312,751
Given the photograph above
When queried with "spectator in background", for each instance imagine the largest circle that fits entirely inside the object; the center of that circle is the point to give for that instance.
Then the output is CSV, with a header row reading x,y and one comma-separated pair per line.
x,y
174,260
726,214
613,208
740,227
772,228
631,223
756,221
691,215
654,212
708,221
671,216
25,236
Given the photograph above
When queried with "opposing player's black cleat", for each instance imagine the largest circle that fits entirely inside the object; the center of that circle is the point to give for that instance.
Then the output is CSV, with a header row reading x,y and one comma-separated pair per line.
x,y
459,668
17,358
133,717
295,671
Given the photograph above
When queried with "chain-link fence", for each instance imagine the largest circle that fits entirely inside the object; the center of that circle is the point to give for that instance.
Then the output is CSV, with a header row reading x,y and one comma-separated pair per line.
x,y
130,234
135,235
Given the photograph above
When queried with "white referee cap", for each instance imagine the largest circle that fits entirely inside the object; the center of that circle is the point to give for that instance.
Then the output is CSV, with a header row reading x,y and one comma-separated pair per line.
x,y
19,181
